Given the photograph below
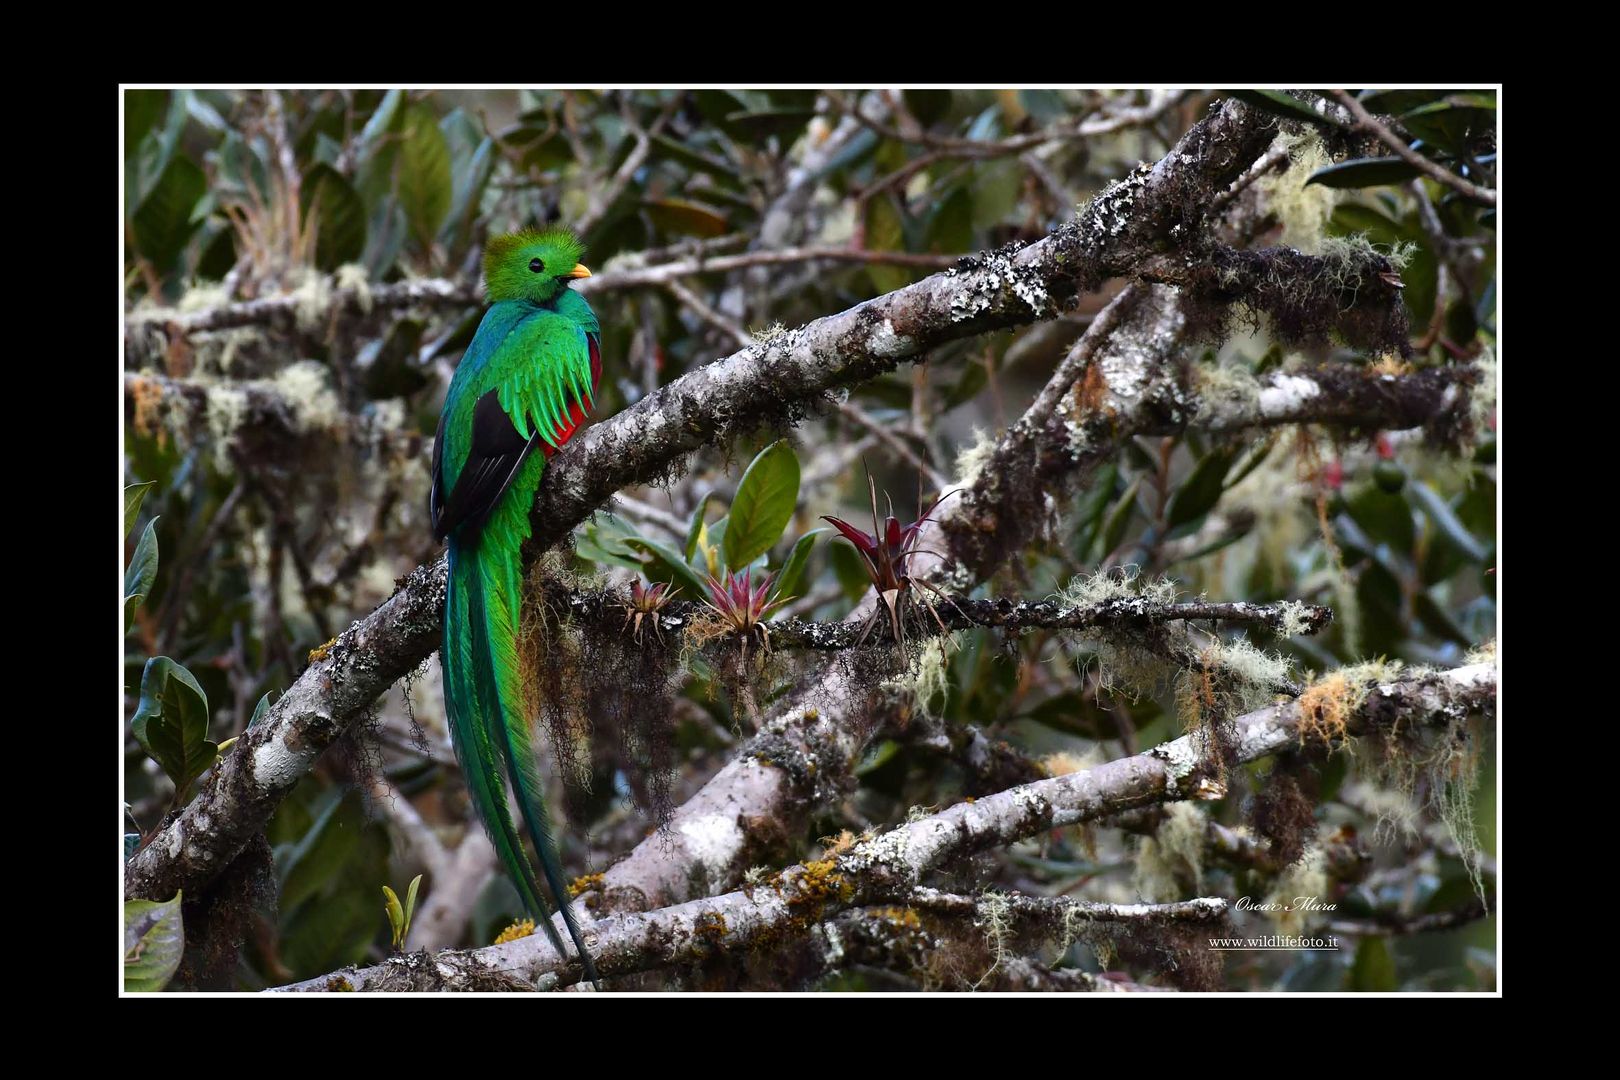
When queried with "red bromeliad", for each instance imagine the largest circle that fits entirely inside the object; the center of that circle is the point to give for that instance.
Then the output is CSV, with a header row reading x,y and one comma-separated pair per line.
x,y
886,554
742,604
645,604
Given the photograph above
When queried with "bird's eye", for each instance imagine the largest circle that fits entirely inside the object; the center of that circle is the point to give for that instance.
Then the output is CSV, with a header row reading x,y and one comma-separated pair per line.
x,y
536,266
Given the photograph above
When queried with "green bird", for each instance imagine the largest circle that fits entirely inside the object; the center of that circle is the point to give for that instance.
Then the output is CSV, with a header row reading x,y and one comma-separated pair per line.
x,y
521,390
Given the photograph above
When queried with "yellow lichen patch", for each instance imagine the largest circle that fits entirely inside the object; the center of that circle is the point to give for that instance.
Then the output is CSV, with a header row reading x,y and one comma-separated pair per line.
x,y
837,845
520,929
819,882
147,396
904,918
710,926
1390,364
319,652
585,883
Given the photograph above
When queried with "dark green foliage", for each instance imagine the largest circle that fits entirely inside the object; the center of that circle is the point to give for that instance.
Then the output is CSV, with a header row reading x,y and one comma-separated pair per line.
x,y
278,526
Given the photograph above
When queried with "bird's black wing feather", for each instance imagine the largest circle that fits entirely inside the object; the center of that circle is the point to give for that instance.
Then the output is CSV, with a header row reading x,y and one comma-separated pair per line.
x,y
498,451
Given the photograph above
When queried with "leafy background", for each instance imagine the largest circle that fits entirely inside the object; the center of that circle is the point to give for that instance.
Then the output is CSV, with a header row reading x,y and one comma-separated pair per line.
x,y
246,552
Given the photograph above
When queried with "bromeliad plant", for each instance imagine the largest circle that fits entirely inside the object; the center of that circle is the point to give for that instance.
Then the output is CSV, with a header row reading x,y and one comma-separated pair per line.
x,y
886,554
646,602
720,560
743,606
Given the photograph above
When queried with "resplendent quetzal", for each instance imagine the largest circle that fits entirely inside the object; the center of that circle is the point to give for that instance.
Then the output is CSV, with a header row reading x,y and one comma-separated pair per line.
x,y
522,388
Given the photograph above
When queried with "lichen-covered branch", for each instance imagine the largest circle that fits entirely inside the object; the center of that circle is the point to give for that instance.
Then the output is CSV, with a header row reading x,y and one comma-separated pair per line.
x,y
895,862
607,609
340,298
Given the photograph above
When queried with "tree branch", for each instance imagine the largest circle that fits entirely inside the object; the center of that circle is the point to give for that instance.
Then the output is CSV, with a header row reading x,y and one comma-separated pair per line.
x,y
895,862
1428,167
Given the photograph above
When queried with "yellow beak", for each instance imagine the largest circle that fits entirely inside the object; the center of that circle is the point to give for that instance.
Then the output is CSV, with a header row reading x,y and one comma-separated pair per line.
x,y
579,271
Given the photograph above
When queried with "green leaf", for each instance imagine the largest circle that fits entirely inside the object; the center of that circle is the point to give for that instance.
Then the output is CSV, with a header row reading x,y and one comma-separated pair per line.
x,y
885,232
855,151
1364,172
385,239
425,186
1437,620
141,572
142,110
1118,518
695,526
260,709
470,181
792,574
763,123
396,916
1394,102
1090,507
381,121
1251,461
951,229
686,218
877,757
340,217
391,365
997,192
242,173
163,221
132,843
377,151
171,722
711,545
1453,123
764,504
601,545
410,900
134,495
1199,493
928,106
1374,968
666,564
1279,103
154,942
849,569
1450,528
1386,518
311,864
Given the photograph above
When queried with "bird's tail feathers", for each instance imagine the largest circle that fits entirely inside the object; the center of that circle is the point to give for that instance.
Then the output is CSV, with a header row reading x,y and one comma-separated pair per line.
x,y
484,694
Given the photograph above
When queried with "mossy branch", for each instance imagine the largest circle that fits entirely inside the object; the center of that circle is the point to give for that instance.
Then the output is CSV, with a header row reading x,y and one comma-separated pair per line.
x,y
894,863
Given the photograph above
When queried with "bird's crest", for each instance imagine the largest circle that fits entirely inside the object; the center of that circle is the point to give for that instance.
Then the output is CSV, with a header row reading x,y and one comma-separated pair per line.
x,y
532,265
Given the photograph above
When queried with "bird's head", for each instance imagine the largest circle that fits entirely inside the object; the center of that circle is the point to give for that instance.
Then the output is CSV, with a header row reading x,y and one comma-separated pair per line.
x,y
532,266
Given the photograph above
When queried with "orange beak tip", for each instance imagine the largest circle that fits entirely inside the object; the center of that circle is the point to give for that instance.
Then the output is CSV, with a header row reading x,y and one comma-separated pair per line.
x,y
579,271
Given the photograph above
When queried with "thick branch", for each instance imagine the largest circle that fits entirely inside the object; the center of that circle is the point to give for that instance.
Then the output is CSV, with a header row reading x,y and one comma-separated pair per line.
x,y
608,609
895,862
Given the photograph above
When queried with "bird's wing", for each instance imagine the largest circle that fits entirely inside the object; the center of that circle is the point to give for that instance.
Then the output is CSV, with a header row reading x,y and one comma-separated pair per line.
x,y
551,391
496,452
545,373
